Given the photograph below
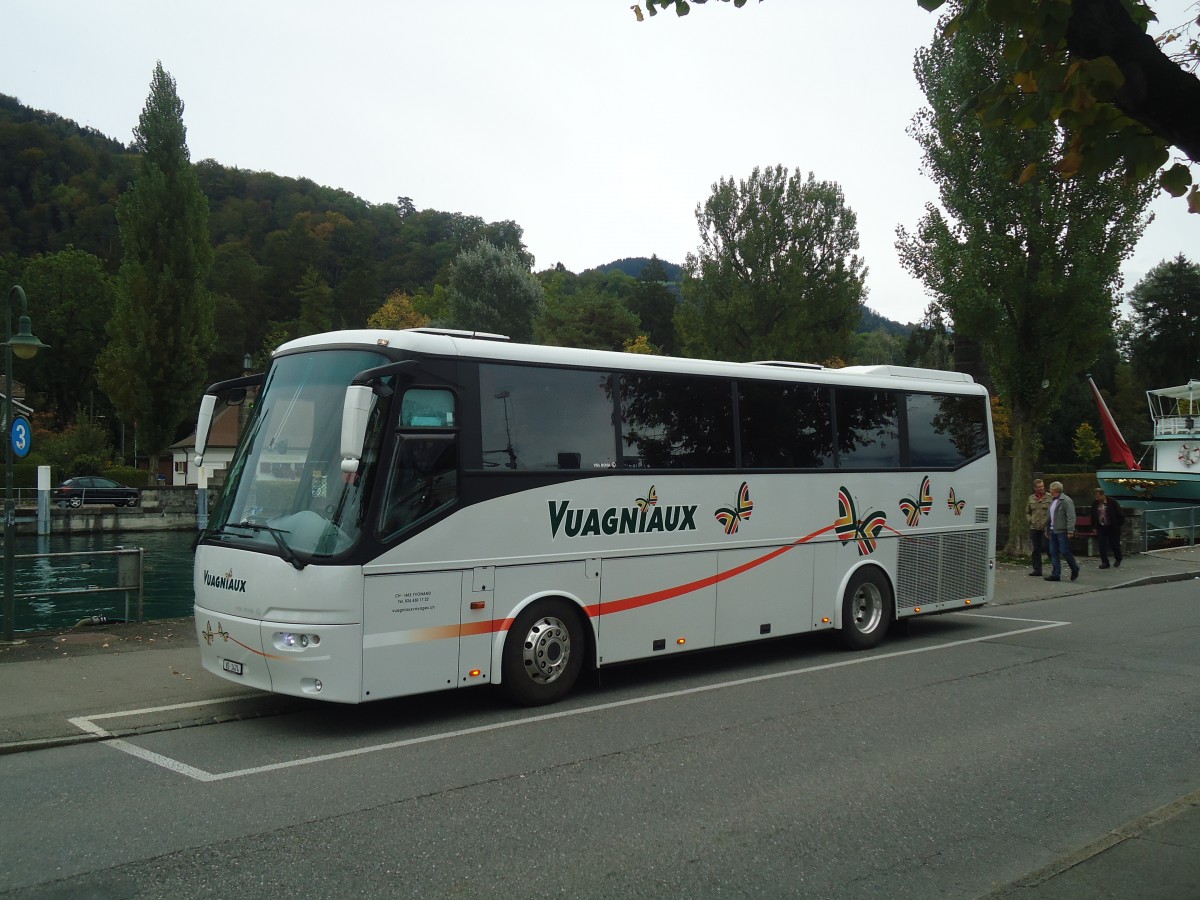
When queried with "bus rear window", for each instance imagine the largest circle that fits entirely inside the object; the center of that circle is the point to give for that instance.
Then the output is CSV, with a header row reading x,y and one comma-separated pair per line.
x,y
945,431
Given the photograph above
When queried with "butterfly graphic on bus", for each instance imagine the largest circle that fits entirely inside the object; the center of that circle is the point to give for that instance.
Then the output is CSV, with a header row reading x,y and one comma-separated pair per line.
x,y
651,499
955,504
914,509
731,518
849,527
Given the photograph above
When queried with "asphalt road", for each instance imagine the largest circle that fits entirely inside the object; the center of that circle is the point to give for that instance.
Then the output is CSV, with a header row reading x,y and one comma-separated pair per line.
x,y
948,763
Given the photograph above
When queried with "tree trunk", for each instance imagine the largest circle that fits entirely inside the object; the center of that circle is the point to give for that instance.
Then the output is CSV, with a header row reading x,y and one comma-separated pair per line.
x,y
1023,436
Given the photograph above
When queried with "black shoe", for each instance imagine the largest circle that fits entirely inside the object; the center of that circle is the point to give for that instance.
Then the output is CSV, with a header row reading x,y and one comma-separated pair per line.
x,y
1117,564
1052,578
1103,565
1074,574
1038,574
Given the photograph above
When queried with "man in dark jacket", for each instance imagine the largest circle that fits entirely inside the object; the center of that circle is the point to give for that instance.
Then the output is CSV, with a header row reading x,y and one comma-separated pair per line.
x,y
1107,519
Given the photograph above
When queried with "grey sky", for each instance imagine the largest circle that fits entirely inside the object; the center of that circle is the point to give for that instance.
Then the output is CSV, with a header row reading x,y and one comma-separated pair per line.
x,y
596,134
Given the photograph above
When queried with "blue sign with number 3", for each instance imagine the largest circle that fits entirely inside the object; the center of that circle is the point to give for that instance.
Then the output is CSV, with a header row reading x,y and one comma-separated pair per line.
x,y
22,436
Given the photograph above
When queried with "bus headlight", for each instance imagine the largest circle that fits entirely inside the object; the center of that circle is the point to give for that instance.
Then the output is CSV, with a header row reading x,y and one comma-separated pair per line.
x,y
290,640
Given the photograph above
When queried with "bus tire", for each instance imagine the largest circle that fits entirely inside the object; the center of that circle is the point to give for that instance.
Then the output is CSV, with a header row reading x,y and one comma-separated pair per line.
x,y
543,653
866,609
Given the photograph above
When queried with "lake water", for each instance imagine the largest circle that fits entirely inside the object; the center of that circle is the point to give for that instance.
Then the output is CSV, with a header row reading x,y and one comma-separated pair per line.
x,y
166,578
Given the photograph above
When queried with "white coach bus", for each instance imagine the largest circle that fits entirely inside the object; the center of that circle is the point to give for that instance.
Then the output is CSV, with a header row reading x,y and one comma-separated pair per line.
x,y
410,511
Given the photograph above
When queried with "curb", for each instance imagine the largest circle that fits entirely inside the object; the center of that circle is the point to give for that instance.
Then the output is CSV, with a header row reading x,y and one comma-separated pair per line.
x,y
1131,830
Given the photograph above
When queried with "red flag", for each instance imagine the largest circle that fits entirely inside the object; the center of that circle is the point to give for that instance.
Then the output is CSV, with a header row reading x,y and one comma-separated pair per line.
x,y
1117,448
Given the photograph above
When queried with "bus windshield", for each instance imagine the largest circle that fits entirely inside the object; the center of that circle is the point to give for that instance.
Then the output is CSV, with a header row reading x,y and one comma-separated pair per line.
x,y
285,492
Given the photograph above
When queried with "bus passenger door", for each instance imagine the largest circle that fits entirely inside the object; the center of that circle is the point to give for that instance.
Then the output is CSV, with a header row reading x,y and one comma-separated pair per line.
x,y
410,633
658,604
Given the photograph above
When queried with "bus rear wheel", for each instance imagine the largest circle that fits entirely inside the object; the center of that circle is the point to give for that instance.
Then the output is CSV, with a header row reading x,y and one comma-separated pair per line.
x,y
866,609
543,653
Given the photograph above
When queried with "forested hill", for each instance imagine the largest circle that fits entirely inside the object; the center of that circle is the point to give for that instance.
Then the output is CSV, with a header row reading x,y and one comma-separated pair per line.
x,y
59,184
632,266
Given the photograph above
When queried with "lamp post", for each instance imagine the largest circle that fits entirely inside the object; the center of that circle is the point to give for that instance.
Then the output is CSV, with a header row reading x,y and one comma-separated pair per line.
x,y
26,346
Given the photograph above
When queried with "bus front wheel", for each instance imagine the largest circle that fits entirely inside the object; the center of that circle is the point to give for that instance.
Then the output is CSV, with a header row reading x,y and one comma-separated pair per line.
x,y
866,609
543,653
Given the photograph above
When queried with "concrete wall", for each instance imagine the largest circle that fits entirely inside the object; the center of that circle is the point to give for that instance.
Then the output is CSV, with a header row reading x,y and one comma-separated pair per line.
x,y
160,508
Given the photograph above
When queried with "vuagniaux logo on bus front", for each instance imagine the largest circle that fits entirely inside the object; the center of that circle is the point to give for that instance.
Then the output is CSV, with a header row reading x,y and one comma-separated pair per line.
x,y
225,582
644,515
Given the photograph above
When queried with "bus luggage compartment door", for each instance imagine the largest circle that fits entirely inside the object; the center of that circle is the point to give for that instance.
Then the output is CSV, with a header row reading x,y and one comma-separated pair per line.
x,y
653,605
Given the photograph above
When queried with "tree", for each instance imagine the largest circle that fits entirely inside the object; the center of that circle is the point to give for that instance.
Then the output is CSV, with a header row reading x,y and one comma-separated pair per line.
x,y
776,276
654,302
154,366
397,312
641,345
73,299
1027,272
1164,343
877,348
1086,445
1091,67
316,303
588,319
492,289
930,344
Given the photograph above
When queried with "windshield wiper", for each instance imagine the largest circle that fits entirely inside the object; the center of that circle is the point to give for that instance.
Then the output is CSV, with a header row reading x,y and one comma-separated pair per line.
x,y
284,550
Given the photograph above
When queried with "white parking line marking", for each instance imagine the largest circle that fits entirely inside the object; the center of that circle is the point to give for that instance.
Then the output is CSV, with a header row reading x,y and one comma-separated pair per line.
x,y
87,723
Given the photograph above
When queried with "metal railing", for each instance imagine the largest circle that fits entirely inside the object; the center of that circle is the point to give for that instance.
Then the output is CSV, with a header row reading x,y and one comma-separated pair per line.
x,y
48,578
1173,527
26,497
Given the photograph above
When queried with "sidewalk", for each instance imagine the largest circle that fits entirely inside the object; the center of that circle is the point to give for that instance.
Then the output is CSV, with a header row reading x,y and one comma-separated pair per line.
x,y
69,687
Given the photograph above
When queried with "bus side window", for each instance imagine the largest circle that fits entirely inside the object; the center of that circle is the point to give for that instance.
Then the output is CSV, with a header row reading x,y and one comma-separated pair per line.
x,y
423,480
425,408
424,474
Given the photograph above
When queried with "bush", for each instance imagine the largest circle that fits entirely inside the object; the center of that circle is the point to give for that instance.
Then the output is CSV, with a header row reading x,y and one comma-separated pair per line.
x,y
127,475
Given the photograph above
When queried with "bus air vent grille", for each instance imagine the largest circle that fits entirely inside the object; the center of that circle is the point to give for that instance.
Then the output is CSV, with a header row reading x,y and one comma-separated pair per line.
x,y
939,568
982,515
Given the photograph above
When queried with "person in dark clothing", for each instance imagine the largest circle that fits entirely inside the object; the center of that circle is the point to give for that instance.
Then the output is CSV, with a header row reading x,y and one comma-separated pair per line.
x,y
1107,519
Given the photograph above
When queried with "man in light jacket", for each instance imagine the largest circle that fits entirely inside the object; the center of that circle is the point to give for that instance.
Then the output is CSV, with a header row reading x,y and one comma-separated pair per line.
x,y
1061,529
1037,511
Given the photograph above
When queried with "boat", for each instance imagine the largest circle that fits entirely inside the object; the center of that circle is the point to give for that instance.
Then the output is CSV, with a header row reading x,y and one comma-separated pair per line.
x,y
1172,475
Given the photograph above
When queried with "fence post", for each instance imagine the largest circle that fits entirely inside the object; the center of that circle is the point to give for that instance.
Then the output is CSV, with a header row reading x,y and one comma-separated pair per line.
x,y
43,500
129,576
201,498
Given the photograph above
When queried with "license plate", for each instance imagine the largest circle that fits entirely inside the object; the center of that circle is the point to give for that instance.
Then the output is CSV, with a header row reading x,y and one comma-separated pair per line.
x,y
230,665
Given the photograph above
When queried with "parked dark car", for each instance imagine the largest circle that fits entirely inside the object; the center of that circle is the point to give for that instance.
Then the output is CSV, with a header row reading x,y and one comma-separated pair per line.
x,y
94,489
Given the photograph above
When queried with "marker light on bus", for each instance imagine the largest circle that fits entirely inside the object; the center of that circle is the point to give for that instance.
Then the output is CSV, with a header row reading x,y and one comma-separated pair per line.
x,y
475,673
681,641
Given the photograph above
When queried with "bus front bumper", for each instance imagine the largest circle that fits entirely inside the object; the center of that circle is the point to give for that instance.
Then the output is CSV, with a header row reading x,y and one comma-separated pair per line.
x,y
323,662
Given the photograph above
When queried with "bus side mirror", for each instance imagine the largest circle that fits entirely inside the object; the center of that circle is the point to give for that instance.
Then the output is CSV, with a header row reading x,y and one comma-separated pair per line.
x,y
203,424
355,412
